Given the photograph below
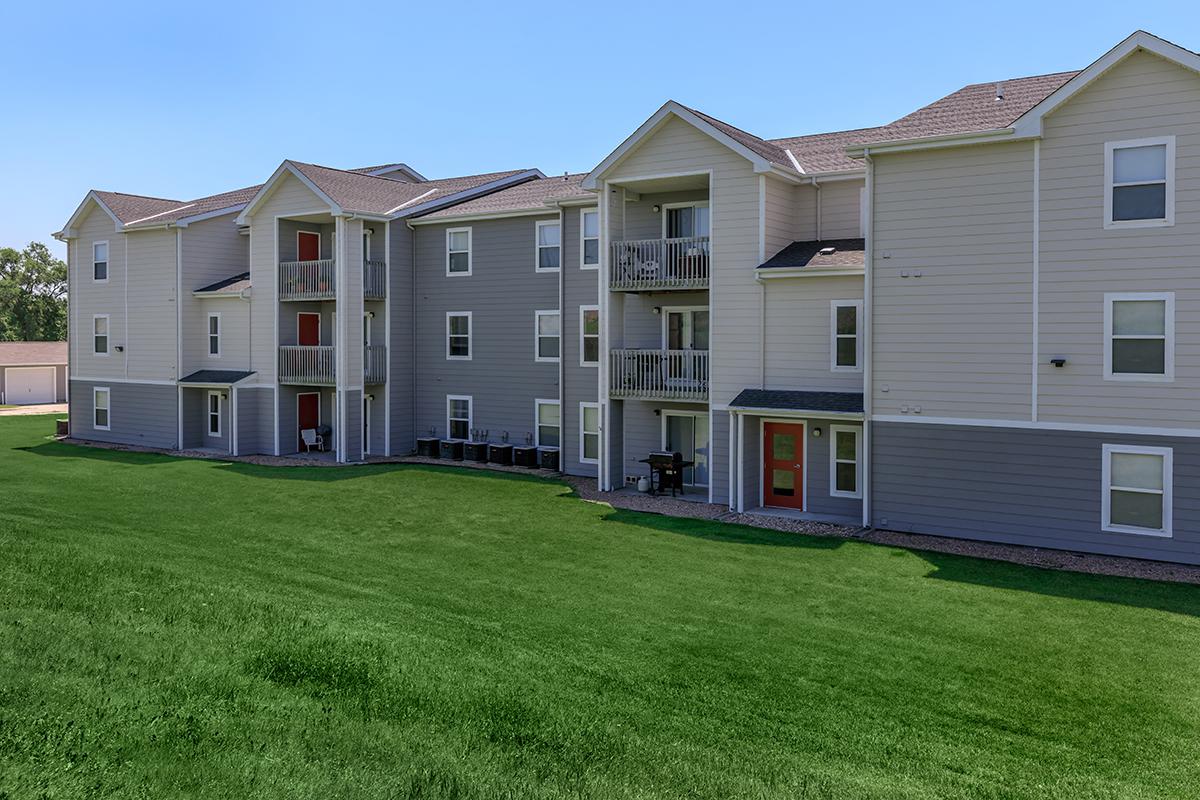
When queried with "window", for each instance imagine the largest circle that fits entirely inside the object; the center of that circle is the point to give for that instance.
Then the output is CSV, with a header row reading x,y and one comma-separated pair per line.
x,y
214,335
845,454
1139,178
100,261
100,418
548,425
458,251
589,239
214,414
547,328
1137,490
589,433
1139,332
100,334
458,335
845,351
589,336
685,220
458,416
549,248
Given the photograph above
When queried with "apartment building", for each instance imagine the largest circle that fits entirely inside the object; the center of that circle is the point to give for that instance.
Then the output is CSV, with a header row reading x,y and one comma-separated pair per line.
x,y
978,320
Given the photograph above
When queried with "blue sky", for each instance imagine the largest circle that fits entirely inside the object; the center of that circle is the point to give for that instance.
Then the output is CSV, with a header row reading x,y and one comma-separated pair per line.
x,y
183,100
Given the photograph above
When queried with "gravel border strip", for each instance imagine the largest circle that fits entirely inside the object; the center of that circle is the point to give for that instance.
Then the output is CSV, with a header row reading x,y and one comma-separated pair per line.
x,y
1064,560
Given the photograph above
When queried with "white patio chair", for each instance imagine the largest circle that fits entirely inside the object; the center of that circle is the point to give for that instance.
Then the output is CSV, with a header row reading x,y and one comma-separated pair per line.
x,y
312,439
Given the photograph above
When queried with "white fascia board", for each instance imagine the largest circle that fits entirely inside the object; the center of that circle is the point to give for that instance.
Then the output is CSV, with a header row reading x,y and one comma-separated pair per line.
x,y
775,273
269,187
931,142
398,168
68,230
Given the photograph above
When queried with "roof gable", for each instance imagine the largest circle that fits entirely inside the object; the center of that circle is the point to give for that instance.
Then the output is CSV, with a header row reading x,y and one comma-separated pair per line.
x,y
269,186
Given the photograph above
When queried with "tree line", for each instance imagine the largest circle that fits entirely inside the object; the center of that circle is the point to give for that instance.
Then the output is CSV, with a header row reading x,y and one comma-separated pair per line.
x,y
33,295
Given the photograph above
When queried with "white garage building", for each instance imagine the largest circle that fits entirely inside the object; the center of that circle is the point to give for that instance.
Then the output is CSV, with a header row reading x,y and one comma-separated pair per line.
x,y
33,372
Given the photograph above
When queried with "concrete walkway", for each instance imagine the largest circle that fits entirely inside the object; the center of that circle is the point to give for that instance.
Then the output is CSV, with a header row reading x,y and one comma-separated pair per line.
x,y
20,411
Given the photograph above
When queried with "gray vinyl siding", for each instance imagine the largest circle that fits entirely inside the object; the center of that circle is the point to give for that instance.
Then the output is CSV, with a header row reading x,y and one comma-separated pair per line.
x,y
256,415
400,347
210,251
288,230
643,327
502,293
799,333
580,383
139,413
1080,261
1030,487
60,381
353,429
643,432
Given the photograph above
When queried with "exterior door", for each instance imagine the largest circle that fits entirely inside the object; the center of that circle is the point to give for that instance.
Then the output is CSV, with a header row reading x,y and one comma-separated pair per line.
x,y
366,432
29,385
308,246
308,329
688,434
783,465
308,414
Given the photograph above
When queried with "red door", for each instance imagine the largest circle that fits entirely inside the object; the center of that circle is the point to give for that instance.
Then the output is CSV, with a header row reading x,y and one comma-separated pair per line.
x,y
783,465
308,246
308,329
308,414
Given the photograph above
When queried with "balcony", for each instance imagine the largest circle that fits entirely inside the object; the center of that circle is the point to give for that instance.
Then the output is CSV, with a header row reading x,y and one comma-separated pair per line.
x,y
659,374
374,280
374,363
310,365
317,280
646,265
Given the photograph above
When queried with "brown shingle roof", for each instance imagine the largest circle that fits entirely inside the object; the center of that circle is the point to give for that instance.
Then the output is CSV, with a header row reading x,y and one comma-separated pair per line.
x,y
768,150
826,152
846,253
129,207
377,195
14,354
526,196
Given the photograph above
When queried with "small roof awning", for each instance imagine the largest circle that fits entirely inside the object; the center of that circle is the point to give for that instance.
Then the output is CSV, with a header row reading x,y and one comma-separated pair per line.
x,y
849,404
215,377
230,287
825,257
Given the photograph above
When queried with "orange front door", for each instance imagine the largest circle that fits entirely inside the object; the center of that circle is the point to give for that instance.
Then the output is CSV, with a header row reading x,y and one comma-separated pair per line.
x,y
308,413
308,246
783,465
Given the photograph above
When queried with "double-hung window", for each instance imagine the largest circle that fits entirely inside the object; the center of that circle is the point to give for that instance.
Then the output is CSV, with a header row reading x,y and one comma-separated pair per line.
x,y
100,408
100,261
1139,331
214,335
845,455
458,335
589,433
1137,490
549,246
547,329
549,426
589,336
845,352
458,416
1139,178
100,334
458,251
589,239
214,414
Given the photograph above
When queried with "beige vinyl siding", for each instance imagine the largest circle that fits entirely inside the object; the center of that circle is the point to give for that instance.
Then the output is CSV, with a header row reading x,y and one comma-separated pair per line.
x,y
89,298
211,251
955,341
798,333
783,224
840,210
150,345
1141,97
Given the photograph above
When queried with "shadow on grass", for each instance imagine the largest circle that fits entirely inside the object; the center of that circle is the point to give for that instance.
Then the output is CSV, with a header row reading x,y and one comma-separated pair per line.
x,y
724,532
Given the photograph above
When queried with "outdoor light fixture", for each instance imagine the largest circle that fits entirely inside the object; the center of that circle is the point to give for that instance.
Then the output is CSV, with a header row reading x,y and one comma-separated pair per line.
x,y
657,209
1058,362
657,309
816,433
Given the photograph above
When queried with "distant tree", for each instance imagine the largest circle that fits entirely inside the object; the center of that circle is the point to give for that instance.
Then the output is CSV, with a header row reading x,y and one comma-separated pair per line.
x,y
33,295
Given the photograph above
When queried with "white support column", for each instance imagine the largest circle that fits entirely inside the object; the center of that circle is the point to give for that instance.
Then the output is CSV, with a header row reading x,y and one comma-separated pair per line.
x,y
741,462
233,421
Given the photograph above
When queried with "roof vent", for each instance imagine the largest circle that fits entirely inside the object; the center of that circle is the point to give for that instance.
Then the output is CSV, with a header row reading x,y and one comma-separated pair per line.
x,y
828,251
999,92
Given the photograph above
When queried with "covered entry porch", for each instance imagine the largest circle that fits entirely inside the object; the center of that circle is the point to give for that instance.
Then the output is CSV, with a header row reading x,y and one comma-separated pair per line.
x,y
208,413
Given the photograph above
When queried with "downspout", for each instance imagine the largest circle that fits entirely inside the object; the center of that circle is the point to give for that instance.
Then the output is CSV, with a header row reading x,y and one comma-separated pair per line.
x,y
868,272
412,311
817,186
562,331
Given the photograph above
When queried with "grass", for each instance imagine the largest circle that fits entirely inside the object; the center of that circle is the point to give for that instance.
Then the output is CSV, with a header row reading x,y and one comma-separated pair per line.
x,y
180,628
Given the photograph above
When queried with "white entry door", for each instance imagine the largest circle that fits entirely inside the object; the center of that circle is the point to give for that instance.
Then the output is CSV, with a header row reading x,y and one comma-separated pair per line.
x,y
29,385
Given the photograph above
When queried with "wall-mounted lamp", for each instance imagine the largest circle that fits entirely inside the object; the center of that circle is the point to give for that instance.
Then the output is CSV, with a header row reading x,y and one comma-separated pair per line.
x,y
816,433
371,397
370,315
1058,362
120,348
657,209
224,395
657,309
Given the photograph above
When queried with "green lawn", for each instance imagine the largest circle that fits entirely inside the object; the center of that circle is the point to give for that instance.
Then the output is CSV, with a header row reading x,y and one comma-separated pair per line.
x,y
176,628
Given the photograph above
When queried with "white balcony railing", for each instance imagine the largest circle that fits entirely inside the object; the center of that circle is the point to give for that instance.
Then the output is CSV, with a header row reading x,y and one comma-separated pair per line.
x,y
310,365
655,264
375,363
307,280
374,280
659,374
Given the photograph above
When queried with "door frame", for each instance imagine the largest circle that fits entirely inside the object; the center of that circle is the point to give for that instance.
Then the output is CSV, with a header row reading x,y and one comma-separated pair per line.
x,y
308,233
316,314
678,412
762,457
298,428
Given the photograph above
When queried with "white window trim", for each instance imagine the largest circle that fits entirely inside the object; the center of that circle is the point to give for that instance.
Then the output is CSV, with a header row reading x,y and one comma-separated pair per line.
x,y
96,390
1169,219
582,213
538,247
308,233
208,334
537,422
450,398
208,413
470,335
1106,523
470,252
107,335
583,432
692,204
582,336
537,336
107,261
1168,328
834,430
834,305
